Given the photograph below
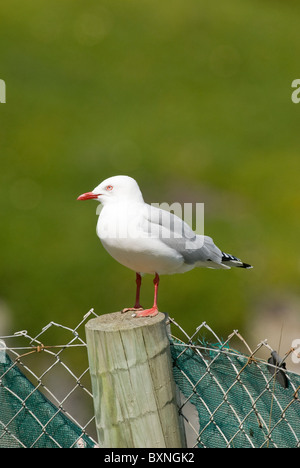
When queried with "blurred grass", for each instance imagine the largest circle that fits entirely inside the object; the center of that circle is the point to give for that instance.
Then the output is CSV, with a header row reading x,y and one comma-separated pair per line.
x,y
191,99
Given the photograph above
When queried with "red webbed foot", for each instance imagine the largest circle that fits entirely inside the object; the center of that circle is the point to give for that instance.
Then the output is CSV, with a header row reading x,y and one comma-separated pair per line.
x,y
136,308
148,312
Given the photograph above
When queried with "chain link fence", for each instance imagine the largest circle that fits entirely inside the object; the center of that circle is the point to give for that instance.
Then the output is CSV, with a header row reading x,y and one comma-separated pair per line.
x,y
45,396
227,396
232,398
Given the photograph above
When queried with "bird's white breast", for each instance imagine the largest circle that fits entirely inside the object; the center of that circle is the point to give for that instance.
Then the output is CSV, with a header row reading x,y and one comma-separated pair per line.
x,y
121,229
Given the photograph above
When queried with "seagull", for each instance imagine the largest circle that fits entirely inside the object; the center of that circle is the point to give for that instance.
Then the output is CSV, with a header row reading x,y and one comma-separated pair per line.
x,y
149,240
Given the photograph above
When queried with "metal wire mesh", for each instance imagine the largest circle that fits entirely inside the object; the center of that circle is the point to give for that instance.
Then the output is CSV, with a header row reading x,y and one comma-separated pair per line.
x,y
231,398
42,393
228,397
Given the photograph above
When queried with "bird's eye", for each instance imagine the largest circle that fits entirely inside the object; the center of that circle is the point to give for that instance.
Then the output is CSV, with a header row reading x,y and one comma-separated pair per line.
x,y
109,188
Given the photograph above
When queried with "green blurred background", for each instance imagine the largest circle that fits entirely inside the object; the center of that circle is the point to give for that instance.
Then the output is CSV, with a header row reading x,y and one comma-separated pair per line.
x,y
193,100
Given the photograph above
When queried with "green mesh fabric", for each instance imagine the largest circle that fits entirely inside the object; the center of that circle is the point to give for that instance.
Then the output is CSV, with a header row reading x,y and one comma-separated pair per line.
x,y
240,403
29,419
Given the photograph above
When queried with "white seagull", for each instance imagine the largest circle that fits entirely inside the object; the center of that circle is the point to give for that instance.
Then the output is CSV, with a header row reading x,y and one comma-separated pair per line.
x,y
150,240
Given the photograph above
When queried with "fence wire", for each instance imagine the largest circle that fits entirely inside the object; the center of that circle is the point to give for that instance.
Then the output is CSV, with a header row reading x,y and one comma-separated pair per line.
x,y
227,396
45,392
231,398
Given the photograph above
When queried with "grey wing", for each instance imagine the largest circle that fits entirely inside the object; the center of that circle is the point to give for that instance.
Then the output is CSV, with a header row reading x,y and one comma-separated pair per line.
x,y
178,235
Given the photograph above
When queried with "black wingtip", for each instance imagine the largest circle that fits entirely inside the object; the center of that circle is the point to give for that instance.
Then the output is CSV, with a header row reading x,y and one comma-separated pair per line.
x,y
237,262
246,265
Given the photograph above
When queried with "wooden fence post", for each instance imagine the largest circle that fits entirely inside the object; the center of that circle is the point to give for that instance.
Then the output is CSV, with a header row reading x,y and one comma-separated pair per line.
x,y
132,382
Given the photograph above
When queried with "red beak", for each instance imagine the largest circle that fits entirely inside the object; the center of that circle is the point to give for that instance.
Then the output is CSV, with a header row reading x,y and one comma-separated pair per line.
x,y
88,196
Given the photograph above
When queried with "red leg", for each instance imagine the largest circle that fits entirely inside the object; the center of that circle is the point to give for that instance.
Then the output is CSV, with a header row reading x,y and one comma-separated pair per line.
x,y
154,310
137,305
138,288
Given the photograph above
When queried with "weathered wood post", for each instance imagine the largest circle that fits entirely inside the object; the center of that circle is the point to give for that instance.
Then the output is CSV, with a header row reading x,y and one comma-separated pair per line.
x,y
132,382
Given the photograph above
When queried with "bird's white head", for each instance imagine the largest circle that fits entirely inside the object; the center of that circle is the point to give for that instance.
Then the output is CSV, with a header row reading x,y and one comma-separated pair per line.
x,y
115,189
